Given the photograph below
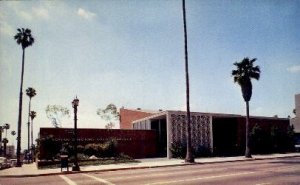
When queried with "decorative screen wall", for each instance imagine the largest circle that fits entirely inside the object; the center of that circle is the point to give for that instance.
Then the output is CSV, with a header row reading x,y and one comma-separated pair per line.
x,y
200,129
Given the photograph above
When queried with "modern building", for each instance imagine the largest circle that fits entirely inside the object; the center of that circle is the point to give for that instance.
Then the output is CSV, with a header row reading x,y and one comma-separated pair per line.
x,y
129,115
221,134
296,120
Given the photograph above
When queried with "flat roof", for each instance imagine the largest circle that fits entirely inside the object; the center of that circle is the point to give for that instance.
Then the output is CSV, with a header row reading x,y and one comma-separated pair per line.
x,y
163,114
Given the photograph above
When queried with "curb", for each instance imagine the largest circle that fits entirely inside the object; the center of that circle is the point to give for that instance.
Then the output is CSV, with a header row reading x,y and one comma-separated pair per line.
x,y
145,167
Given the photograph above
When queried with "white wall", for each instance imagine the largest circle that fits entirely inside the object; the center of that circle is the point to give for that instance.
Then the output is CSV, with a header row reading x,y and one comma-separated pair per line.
x,y
296,121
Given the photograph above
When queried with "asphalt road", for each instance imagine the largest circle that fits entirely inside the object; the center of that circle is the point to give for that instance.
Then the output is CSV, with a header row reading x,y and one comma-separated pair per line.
x,y
258,172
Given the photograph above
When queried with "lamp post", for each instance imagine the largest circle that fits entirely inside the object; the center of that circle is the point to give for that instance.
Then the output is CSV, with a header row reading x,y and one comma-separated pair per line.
x,y
75,104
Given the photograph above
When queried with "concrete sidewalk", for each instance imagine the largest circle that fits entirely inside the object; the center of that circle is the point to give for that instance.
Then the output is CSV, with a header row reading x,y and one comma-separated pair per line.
x,y
30,170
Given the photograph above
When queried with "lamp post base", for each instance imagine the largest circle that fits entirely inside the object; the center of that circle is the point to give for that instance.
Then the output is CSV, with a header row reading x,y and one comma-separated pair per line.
x,y
75,167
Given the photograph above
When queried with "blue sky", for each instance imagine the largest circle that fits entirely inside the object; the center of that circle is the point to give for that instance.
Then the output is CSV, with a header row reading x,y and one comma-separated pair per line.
x,y
131,53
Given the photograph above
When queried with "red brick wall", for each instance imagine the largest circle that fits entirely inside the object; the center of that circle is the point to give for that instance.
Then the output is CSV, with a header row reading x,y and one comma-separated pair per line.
x,y
135,143
127,116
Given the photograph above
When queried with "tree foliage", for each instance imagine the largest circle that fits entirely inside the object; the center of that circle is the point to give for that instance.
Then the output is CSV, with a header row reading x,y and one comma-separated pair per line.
x,y
24,38
30,92
110,114
32,114
244,72
55,113
275,140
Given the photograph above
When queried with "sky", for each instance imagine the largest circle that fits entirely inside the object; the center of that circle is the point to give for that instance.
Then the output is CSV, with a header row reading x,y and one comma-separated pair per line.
x,y
131,53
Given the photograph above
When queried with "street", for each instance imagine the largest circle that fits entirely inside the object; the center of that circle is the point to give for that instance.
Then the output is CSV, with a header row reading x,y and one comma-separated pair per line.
x,y
256,172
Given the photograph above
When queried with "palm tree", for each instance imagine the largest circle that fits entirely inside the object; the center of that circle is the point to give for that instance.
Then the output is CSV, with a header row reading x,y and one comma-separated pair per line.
x,y
5,140
30,93
6,127
189,155
32,116
13,133
244,72
23,38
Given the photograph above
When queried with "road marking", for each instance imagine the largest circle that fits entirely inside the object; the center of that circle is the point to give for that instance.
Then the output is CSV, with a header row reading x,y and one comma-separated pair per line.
x,y
266,183
144,170
161,174
99,179
69,181
200,178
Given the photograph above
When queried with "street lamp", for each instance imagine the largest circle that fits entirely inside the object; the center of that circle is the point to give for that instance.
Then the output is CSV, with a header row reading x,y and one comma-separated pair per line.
x,y
75,104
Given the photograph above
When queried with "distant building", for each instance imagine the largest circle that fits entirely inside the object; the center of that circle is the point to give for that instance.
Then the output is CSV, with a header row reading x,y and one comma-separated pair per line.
x,y
222,134
296,120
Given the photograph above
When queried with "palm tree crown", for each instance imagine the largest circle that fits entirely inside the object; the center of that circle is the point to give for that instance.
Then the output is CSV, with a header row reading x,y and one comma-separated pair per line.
x,y
13,133
24,37
32,114
30,92
243,74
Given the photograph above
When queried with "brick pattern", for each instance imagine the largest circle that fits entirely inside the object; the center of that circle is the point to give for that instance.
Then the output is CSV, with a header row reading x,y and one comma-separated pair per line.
x,y
128,116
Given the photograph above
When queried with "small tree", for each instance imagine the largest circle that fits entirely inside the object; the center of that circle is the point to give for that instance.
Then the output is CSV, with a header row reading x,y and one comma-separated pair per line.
x,y
55,113
110,114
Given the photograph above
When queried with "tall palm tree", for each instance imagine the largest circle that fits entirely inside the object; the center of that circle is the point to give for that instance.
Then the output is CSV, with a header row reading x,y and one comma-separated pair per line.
x,y
189,155
30,93
32,116
244,72
25,39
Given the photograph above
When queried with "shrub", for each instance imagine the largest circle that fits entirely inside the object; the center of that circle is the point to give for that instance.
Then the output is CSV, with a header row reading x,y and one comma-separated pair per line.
x,y
178,150
107,149
260,141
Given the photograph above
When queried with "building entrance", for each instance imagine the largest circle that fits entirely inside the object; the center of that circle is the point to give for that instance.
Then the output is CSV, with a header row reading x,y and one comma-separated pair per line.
x,y
160,126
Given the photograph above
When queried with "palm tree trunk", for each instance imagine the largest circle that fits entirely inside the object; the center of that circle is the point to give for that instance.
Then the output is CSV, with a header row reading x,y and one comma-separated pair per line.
x,y
1,142
28,146
247,152
189,156
32,151
4,149
20,113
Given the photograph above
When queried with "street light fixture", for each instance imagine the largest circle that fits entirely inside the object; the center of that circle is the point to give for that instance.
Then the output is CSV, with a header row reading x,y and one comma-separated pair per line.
x,y
75,104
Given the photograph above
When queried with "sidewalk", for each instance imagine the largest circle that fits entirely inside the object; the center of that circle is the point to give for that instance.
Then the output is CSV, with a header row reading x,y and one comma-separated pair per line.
x,y
30,170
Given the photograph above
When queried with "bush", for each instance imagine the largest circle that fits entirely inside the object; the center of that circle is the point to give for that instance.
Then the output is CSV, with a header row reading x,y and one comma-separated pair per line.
x,y
277,140
178,150
107,149
283,141
260,141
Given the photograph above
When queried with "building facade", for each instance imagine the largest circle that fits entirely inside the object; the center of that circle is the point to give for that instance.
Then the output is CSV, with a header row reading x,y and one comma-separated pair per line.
x,y
129,115
128,141
221,134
